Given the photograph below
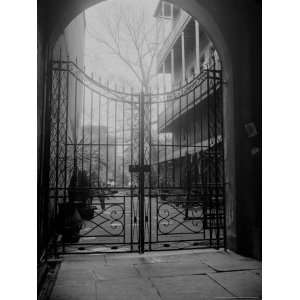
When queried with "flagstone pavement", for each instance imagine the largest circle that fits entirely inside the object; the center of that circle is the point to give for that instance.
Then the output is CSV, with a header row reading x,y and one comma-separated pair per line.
x,y
190,275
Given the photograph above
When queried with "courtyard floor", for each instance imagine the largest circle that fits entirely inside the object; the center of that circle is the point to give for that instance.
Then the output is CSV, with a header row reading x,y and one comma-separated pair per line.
x,y
190,274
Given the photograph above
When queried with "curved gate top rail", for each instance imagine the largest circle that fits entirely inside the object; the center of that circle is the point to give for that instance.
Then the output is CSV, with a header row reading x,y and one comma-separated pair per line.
x,y
135,171
154,96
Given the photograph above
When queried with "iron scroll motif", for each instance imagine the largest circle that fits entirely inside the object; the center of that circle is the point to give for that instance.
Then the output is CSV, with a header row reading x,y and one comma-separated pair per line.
x,y
172,220
106,222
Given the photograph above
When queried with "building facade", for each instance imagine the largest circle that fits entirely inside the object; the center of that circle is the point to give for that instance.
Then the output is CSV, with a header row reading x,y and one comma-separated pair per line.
x,y
191,123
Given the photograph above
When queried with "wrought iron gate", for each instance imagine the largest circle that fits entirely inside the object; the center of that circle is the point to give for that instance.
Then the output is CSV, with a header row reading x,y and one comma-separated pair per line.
x,y
135,171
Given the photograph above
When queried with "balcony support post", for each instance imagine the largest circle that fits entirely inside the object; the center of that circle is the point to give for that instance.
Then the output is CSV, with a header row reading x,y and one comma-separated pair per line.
x,y
164,76
197,47
163,19
183,56
172,67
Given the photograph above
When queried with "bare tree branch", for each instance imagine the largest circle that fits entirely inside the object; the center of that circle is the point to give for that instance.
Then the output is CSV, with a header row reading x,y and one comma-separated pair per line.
x,y
133,40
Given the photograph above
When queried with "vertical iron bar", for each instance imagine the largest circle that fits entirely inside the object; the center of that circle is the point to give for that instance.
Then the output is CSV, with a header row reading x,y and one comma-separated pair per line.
x,y
41,166
173,141
202,180
180,133
165,148
223,161
75,130
124,216
115,142
91,133
75,167
157,216
194,167
188,124
141,175
123,141
158,167
150,174
66,141
194,122
158,163
131,174
83,125
57,154
216,179
107,124
209,159
99,135
46,175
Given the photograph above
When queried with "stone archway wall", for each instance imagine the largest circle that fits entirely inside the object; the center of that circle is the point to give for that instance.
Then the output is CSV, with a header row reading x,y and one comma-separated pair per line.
x,y
234,27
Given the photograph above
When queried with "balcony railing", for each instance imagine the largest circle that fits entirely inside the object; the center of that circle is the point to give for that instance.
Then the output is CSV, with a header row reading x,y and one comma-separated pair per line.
x,y
177,151
179,26
185,98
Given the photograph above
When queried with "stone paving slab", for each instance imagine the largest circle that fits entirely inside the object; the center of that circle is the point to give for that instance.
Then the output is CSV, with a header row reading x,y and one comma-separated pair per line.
x,y
223,261
114,272
75,266
127,289
123,260
180,258
84,258
193,287
81,262
166,276
76,291
74,277
115,260
240,283
173,269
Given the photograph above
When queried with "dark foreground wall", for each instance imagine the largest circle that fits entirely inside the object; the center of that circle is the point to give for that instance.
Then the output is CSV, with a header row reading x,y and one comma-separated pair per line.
x,y
234,27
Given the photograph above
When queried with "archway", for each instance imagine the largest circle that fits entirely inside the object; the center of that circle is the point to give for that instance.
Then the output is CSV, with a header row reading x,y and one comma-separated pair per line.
x,y
212,17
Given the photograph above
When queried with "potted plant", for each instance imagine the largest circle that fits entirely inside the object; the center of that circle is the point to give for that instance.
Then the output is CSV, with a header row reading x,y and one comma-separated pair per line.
x,y
80,194
69,222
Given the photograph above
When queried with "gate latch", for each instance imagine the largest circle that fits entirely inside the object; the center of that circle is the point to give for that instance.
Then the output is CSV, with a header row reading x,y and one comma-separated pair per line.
x,y
137,168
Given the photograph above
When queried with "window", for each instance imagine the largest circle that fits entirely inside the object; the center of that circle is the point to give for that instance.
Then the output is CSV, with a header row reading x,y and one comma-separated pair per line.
x,y
202,60
192,71
167,10
211,56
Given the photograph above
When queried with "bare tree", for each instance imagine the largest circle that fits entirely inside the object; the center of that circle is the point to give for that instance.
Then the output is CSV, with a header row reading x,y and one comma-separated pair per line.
x,y
132,37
